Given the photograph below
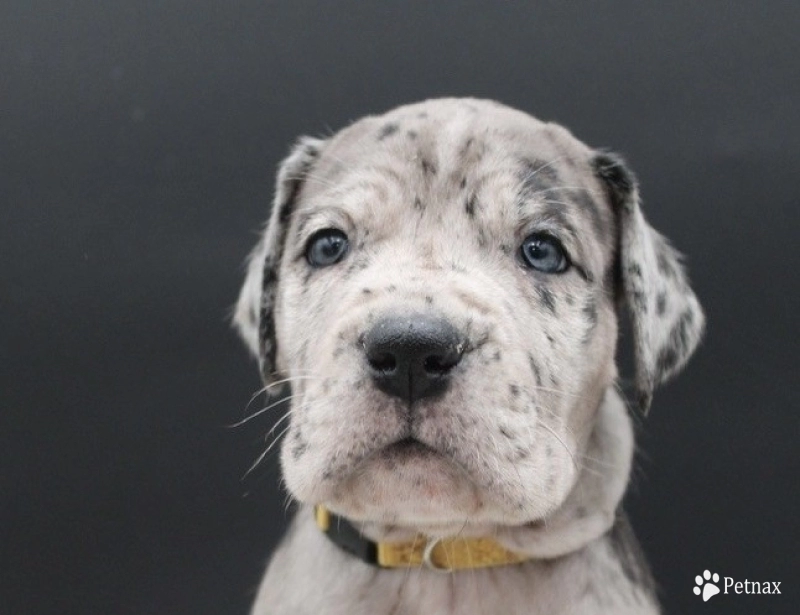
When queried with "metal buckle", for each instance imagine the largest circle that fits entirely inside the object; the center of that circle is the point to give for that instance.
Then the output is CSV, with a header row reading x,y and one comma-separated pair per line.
x,y
427,559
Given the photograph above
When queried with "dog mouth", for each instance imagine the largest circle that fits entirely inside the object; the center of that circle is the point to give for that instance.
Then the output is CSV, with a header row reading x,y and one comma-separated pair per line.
x,y
407,448
410,452
406,451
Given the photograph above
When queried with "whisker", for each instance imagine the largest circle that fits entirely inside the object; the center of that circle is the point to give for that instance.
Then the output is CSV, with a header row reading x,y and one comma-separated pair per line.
x,y
566,448
266,452
536,171
278,422
560,392
563,187
260,412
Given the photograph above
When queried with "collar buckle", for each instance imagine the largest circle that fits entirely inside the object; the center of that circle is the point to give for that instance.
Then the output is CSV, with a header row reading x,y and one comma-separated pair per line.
x,y
427,557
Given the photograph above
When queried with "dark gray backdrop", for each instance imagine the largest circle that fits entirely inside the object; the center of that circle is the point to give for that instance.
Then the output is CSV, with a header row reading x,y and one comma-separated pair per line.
x,y
137,147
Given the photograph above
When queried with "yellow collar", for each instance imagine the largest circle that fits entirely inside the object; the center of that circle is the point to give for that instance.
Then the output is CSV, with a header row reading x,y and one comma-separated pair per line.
x,y
444,554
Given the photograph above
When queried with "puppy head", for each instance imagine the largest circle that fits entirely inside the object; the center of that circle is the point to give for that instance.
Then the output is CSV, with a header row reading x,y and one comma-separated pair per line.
x,y
439,287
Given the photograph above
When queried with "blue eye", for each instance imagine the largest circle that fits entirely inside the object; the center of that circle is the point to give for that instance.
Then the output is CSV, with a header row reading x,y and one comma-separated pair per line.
x,y
326,247
544,253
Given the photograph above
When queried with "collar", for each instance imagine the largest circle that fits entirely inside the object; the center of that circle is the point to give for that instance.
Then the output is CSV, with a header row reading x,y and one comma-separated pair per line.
x,y
443,554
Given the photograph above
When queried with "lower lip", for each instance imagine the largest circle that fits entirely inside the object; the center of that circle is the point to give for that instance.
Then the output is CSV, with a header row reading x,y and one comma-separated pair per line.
x,y
409,446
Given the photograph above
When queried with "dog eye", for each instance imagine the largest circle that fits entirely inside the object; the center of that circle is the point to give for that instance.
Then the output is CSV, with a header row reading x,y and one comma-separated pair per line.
x,y
544,253
326,247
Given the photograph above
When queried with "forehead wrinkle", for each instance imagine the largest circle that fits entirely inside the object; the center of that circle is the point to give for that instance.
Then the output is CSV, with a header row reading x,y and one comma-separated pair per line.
x,y
351,200
571,194
317,214
549,213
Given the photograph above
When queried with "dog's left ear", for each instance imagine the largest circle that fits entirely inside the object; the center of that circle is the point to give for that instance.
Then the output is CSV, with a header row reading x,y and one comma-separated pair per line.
x,y
253,316
667,319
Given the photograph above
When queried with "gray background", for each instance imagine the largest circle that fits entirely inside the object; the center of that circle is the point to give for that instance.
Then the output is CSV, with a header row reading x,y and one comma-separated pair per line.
x,y
137,148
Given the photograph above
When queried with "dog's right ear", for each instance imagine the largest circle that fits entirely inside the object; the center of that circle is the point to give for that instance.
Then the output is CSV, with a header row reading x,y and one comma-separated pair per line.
x,y
253,316
667,319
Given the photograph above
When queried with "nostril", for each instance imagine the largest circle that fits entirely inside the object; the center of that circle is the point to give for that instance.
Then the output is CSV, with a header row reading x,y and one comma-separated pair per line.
x,y
384,362
440,364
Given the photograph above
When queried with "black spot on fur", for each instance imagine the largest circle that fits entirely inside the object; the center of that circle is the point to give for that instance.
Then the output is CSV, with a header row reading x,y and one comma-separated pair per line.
x,y
537,178
677,343
666,265
497,355
358,264
412,134
634,270
616,175
422,114
428,299
463,183
366,291
387,130
589,310
514,390
638,300
584,200
462,153
506,433
584,273
537,374
644,399
668,357
391,288
550,339
418,204
661,303
483,242
470,204
547,298
270,274
266,323
299,449
428,167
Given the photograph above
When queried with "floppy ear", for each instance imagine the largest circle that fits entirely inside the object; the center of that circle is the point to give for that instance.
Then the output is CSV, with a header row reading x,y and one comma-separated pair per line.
x,y
667,319
253,316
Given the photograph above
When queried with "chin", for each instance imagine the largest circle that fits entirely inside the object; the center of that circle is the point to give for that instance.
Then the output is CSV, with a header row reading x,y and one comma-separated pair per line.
x,y
405,483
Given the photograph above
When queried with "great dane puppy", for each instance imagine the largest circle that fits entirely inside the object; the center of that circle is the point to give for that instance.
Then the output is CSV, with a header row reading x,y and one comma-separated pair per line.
x,y
440,288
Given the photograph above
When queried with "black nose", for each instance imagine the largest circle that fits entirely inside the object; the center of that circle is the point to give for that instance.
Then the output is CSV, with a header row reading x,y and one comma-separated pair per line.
x,y
411,356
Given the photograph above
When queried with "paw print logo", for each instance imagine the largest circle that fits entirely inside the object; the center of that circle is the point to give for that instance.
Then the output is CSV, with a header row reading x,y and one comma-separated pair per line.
x,y
706,585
